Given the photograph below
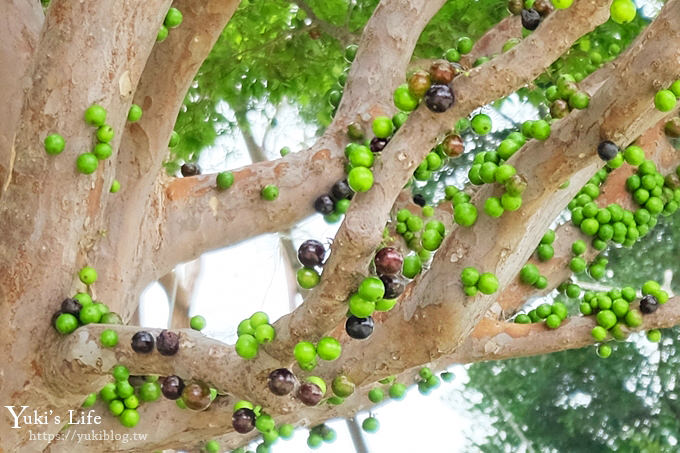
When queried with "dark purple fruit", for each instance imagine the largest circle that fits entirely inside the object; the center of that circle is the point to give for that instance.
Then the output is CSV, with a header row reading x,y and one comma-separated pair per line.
x,y
281,381
559,109
311,253
310,394
453,145
341,191
516,6
439,98
71,306
243,420
530,19
172,387
648,304
388,261
394,286
196,396
607,150
324,204
190,170
419,199
359,328
167,343
443,72
142,342
378,144
543,7
419,83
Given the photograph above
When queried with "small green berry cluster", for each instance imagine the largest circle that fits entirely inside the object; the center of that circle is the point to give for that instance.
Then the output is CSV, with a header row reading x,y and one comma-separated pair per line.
x,y
545,250
530,275
320,434
665,100
427,381
253,332
489,167
552,314
335,93
472,280
565,96
173,19
87,163
463,46
123,398
81,309
369,297
327,348
420,237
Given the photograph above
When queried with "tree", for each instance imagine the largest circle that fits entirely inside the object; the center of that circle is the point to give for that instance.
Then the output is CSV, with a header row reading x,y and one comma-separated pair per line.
x,y
55,221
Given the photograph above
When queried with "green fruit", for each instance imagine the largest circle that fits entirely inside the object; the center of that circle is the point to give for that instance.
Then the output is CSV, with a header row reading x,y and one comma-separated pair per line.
x,y
560,310
654,335
174,139
397,391
543,311
197,322
545,252
116,407
150,391
120,373
510,202
90,314
135,113
360,307
265,333
464,45
360,179
105,133
488,283
412,266
481,124
115,186
599,333
54,144
376,395
404,100
90,400
246,346
66,323
469,276
529,274
540,130
553,321
328,348
304,352
606,319
269,192
102,151
108,337
351,52
633,318
604,351
162,33
562,4
224,180
522,319
342,386
664,100
87,163
129,418
307,277
371,289
95,115
383,126
173,18
124,389
452,55
493,207
465,214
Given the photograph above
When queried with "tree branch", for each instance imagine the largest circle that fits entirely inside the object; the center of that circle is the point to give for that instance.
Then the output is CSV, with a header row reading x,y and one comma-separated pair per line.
x,y
362,228
20,23
198,218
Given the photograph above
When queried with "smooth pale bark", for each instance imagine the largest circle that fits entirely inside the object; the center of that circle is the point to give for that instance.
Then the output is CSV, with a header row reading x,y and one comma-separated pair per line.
x,y
51,216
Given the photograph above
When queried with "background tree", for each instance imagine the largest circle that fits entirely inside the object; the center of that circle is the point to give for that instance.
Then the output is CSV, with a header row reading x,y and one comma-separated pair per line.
x,y
259,57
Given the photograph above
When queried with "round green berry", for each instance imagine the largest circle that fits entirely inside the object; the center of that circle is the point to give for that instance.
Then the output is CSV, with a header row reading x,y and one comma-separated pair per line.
x,y
397,391
465,214
135,113
264,333
654,335
604,351
87,275
90,400
87,163
162,33
599,333
511,202
633,318
404,100
376,395
464,45
383,126
328,348
469,276
246,346
269,192
360,307
360,179
665,100
95,115
150,391
553,321
307,277
224,180
545,252
105,133
174,139
371,289
481,124
129,418
488,283
66,323
493,207
529,274
304,352
173,18
197,322
54,144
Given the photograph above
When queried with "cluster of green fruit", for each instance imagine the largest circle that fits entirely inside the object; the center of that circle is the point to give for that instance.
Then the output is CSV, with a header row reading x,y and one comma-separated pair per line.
x,y
81,309
419,236
545,250
530,275
427,381
335,93
173,19
320,434
473,281
553,315
123,398
565,96
253,332
463,47
327,348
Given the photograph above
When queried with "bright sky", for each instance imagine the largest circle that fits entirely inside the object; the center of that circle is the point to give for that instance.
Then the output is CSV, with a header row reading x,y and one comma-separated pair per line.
x,y
236,281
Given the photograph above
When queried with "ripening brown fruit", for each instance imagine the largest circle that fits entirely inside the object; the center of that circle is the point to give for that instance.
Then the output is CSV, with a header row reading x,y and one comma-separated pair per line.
x,y
443,72
453,145
196,396
388,261
419,83
559,108
544,7
515,6
310,394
